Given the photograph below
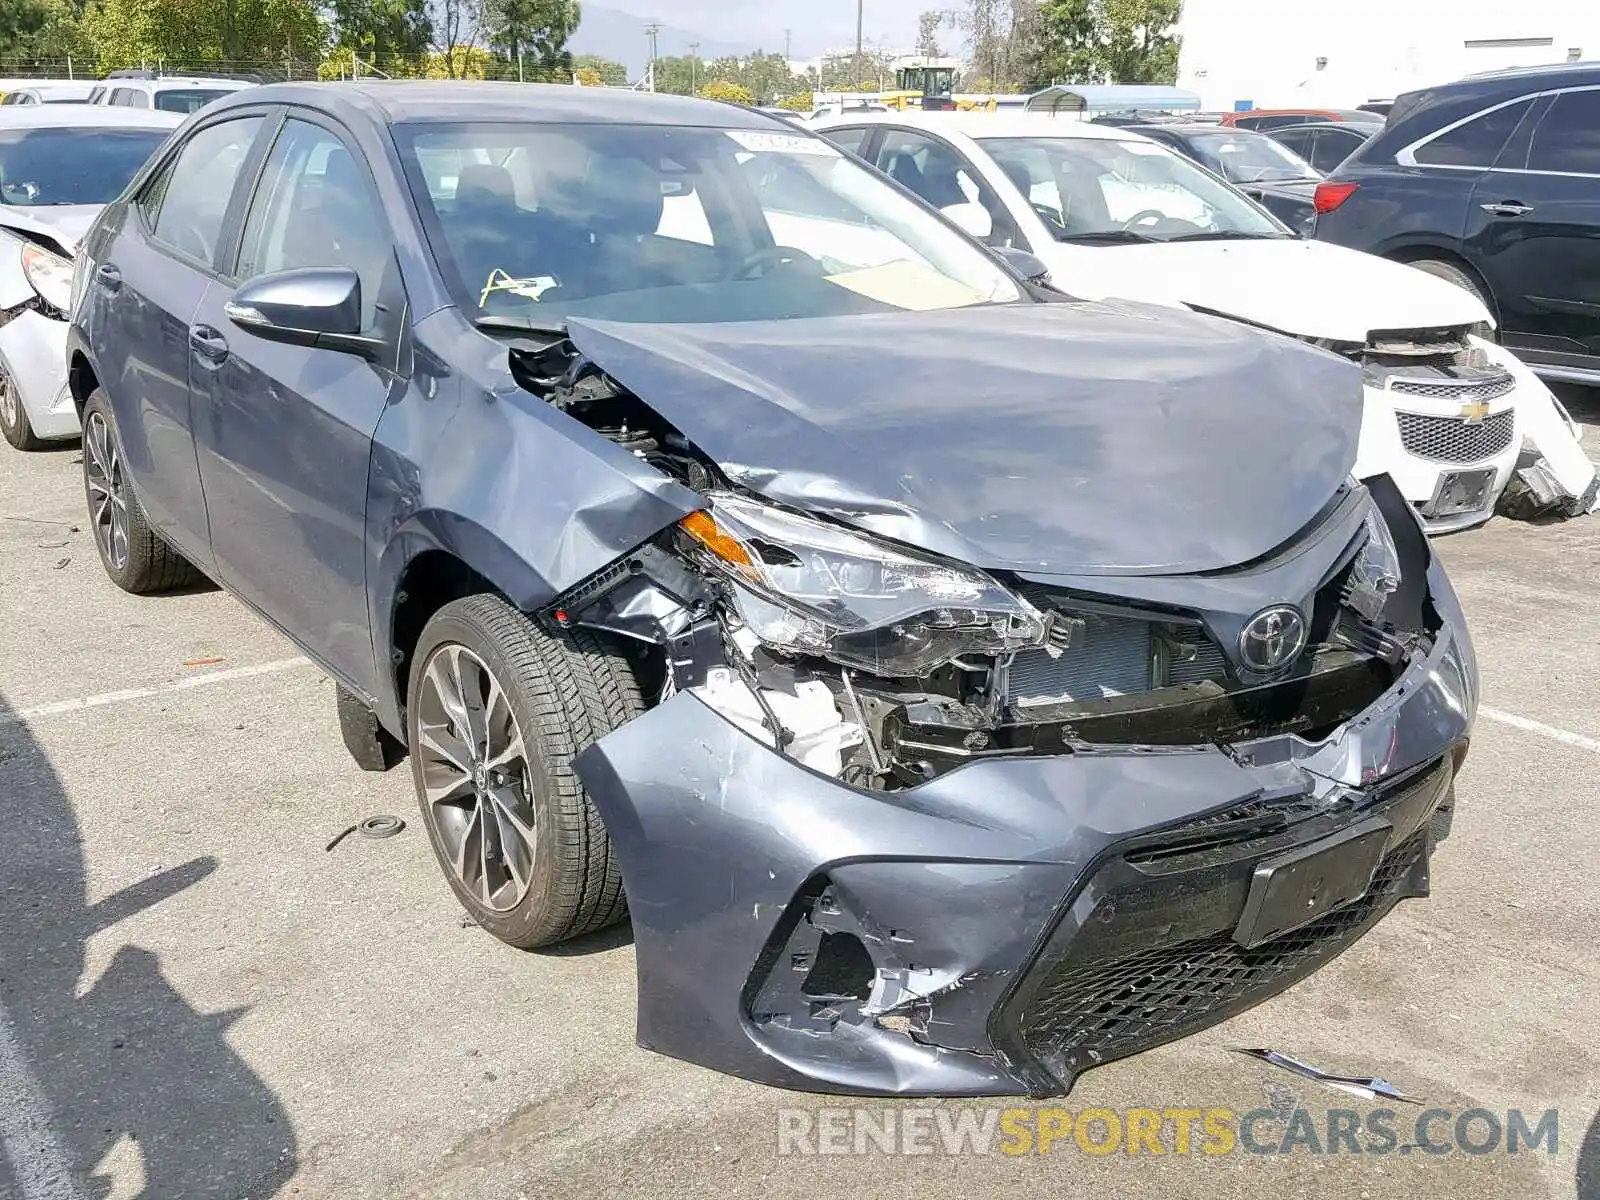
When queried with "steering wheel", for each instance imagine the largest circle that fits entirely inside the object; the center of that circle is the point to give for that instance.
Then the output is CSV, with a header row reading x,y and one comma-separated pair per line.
x,y
1148,217
760,261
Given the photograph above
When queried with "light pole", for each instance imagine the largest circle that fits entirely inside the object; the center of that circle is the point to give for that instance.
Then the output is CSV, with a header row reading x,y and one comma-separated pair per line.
x,y
694,62
650,32
860,7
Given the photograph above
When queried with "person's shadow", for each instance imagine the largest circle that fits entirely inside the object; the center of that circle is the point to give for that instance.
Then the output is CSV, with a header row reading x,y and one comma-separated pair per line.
x,y
1589,1162
126,1069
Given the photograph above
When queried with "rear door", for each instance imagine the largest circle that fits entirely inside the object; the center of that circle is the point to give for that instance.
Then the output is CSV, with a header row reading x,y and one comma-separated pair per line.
x,y
1535,232
284,433
147,281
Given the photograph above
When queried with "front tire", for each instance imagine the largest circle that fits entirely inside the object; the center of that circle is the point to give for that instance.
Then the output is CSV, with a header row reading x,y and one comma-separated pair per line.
x,y
497,710
14,423
1450,273
134,555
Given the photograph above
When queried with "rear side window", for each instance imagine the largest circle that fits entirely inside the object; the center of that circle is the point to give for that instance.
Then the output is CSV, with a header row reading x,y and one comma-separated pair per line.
x,y
848,139
1478,142
1568,139
196,187
187,100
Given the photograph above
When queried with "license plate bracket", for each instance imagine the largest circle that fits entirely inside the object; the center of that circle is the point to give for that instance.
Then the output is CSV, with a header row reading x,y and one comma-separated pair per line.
x,y
1461,492
1292,890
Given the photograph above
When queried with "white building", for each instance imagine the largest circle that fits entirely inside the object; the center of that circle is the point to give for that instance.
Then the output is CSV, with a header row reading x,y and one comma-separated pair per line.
x,y
1280,53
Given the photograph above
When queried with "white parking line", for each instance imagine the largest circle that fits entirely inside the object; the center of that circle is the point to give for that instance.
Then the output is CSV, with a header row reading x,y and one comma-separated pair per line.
x,y
210,679
40,1164
1565,736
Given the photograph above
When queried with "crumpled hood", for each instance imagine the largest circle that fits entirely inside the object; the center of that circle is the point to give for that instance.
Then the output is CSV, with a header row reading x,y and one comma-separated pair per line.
x,y
65,224
1309,289
1052,438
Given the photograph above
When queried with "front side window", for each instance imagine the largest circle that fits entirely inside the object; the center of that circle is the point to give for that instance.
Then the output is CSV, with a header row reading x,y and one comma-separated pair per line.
x,y
1568,139
44,166
1475,143
657,223
314,208
934,171
1100,190
199,184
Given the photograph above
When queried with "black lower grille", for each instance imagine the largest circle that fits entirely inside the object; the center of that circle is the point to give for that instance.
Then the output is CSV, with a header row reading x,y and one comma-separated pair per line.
x,y
1090,1012
1454,440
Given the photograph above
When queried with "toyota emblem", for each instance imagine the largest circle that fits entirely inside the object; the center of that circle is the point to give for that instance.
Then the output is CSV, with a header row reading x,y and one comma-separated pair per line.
x,y
1272,639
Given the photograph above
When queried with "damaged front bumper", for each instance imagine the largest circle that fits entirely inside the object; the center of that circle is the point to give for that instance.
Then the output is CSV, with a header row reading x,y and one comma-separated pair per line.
x,y
1004,926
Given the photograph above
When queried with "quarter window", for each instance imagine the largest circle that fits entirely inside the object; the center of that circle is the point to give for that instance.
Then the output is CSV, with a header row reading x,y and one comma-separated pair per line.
x,y
314,208
848,139
1478,142
1568,139
191,198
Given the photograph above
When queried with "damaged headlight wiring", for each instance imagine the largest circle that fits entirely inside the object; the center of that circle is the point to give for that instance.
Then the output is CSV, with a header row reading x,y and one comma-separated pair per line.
x,y
49,275
803,586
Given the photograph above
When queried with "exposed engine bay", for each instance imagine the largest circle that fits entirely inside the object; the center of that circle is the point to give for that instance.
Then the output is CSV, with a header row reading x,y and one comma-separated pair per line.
x,y
885,666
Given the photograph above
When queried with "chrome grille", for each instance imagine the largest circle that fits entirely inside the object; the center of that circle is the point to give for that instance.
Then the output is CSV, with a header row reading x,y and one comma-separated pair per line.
x,y
1453,440
1440,389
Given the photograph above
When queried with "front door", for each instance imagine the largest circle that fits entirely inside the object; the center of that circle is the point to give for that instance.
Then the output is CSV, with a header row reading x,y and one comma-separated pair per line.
x,y
284,433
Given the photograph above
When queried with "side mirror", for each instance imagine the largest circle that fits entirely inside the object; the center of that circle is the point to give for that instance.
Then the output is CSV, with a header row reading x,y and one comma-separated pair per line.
x,y
970,218
1025,263
308,306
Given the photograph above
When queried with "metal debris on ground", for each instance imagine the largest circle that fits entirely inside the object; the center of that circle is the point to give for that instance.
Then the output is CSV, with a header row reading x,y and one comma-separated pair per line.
x,y
1368,1087
372,827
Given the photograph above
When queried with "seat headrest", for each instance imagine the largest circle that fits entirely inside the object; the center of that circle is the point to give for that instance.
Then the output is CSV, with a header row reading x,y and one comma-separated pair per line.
x,y
342,180
623,195
484,186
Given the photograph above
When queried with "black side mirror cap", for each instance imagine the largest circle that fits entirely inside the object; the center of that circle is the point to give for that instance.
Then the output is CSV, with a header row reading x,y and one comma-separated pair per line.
x,y
1024,262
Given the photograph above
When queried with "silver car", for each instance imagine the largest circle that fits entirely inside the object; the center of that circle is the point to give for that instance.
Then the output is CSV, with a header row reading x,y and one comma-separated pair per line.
x,y
59,166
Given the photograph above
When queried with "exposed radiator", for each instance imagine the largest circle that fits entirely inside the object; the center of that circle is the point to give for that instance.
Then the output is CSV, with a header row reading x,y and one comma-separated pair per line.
x,y
1114,656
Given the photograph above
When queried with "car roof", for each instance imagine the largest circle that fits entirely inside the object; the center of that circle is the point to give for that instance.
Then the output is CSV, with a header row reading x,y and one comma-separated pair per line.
x,y
1355,127
988,124
455,100
174,82
85,116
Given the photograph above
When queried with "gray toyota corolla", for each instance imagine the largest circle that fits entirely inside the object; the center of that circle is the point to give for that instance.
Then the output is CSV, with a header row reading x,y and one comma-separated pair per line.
x,y
957,684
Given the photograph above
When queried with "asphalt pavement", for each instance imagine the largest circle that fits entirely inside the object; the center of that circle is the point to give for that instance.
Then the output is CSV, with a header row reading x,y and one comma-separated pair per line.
x,y
198,999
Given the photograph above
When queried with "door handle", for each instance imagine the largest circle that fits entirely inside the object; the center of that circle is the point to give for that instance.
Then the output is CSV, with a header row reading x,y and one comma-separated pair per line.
x,y
108,277
208,343
1507,208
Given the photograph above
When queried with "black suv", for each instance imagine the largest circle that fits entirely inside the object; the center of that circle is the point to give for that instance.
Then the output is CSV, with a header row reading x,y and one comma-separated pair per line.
x,y
1492,182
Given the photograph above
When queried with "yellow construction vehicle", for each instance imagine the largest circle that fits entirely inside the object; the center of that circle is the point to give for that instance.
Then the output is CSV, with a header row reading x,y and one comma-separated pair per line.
x,y
927,88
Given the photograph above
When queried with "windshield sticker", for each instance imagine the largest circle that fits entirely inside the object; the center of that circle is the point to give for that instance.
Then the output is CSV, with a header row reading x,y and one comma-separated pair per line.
x,y
531,287
783,143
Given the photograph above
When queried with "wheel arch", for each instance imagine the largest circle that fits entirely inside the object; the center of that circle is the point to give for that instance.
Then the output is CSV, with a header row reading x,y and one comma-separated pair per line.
x,y
82,378
1413,252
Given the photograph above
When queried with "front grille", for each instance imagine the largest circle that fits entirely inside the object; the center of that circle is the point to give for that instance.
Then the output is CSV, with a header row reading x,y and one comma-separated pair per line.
x,y
1453,440
1110,656
1090,1012
1435,389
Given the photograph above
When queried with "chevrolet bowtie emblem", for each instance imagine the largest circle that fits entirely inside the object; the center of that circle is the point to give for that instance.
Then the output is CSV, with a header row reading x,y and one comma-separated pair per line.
x,y
1474,411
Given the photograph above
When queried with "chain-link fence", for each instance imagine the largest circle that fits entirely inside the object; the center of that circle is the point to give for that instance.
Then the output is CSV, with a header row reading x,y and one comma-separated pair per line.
x,y
338,65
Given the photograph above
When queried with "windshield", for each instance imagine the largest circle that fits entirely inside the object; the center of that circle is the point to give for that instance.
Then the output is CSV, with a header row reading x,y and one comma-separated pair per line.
x,y
670,224
1250,157
1094,189
71,166
186,100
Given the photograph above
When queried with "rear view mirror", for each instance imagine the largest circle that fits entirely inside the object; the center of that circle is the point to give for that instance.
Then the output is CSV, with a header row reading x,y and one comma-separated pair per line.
x,y
309,306
970,218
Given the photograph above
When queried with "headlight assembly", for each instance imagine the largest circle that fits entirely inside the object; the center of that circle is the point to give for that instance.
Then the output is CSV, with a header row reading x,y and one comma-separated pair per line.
x,y
1376,573
808,587
48,274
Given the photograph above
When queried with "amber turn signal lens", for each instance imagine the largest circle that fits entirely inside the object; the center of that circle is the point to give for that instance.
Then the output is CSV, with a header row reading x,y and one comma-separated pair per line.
x,y
701,527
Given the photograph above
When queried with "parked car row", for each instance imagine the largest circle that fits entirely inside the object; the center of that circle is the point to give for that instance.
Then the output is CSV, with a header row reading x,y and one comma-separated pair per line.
x,y
960,680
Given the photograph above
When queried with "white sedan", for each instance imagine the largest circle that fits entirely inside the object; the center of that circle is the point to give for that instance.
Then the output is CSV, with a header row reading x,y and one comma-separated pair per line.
x,y
1114,214
59,166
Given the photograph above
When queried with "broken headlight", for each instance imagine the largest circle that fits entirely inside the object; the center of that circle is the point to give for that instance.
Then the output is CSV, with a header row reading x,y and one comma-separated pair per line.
x,y
1375,575
807,587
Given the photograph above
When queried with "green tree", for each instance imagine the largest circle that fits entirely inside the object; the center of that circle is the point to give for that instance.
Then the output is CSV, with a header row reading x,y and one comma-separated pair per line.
x,y
537,30
20,20
196,33
613,74
799,102
721,89
393,35
1107,41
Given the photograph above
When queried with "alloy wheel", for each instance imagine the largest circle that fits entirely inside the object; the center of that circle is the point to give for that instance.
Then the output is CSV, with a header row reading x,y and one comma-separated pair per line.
x,y
8,401
475,777
108,499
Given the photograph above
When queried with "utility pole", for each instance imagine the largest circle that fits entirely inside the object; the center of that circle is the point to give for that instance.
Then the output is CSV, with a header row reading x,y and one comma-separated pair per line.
x,y
694,61
860,7
788,45
650,31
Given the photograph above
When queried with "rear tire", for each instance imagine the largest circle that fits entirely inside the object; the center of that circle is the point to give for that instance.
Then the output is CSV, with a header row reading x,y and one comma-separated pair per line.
x,y
1451,273
136,558
497,710
14,423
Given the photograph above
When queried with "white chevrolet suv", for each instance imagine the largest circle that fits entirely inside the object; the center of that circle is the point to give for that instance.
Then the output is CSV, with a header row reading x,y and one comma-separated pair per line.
x,y
1114,214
